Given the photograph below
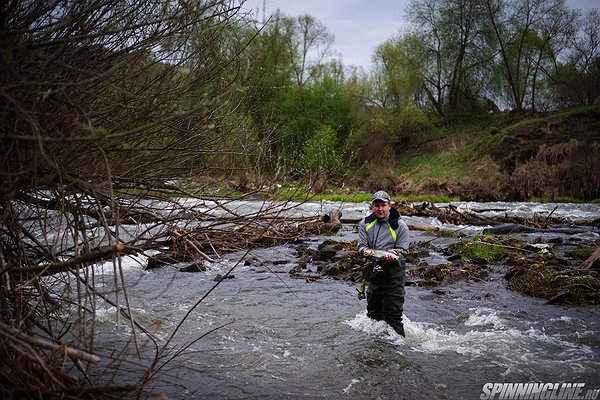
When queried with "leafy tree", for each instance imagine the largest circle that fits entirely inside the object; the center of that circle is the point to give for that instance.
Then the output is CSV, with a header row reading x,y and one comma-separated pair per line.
x,y
526,32
311,38
457,50
553,32
577,78
305,109
286,57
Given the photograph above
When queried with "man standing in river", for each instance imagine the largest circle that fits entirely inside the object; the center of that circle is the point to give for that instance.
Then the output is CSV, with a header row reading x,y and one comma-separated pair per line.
x,y
385,275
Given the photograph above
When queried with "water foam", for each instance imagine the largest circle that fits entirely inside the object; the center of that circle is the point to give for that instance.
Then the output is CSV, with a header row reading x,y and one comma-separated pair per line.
x,y
352,383
491,337
375,328
484,317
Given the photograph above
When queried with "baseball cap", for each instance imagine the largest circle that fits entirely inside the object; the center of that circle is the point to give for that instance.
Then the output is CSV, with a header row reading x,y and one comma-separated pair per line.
x,y
381,195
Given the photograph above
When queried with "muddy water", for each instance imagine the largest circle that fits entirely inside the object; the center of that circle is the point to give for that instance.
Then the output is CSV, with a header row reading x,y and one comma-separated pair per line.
x,y
270,336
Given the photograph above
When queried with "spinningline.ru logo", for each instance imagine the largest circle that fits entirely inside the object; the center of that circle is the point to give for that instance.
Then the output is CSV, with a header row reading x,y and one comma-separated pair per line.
x,y
542,391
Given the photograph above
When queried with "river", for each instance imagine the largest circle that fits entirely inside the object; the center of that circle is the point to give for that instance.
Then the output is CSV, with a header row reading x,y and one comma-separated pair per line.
x,y
263,334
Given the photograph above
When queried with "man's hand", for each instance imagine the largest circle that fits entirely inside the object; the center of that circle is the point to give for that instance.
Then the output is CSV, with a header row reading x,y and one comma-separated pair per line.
x,y
398,252
367,253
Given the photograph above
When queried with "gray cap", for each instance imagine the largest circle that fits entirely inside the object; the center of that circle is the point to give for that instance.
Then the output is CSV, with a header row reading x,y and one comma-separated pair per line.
x,y
381,195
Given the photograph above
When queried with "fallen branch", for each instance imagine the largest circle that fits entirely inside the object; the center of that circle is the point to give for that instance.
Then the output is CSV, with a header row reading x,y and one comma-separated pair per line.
x,y
95,255
15,334
593,259
178,235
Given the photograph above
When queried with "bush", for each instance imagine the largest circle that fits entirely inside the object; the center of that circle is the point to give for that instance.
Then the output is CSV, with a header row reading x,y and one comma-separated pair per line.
x,y
320,154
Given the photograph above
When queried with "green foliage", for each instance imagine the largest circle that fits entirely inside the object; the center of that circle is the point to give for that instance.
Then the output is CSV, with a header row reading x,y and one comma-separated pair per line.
x,y
581,252
482,249
320,153
384,134
399,71
303,112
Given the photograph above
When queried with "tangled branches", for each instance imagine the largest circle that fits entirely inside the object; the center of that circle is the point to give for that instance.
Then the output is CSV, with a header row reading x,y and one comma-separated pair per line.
x,y
104,104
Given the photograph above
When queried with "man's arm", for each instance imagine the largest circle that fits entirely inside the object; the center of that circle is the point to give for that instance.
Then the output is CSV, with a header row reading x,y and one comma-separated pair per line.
x,y
403,241
362,238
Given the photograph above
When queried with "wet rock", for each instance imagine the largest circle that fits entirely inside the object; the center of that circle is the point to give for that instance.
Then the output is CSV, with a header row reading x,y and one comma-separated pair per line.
x,y
324,254
561,297
423,253
514,273
454,277
454,257
220,277
481,296
196,267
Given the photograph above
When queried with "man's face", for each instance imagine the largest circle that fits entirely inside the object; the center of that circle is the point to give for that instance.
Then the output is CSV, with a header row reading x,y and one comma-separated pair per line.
x,y
381,208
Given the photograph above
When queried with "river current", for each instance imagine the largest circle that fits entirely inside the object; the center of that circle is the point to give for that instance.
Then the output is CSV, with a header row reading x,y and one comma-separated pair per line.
x,y
265,335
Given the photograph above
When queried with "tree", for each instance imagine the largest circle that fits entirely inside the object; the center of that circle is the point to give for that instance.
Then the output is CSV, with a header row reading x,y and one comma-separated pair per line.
x,y
311,38
576,76
104,103
458,49
400,63
525,32
289,59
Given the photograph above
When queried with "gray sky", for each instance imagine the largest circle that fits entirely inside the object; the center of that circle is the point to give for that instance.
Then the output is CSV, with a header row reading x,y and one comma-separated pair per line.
x,y
358,25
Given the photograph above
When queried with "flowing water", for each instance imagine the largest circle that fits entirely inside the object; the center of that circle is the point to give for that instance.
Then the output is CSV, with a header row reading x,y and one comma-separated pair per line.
x,y
263,334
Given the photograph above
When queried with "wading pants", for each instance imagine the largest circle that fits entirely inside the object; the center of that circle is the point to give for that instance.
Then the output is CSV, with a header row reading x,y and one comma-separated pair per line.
x,y
385,294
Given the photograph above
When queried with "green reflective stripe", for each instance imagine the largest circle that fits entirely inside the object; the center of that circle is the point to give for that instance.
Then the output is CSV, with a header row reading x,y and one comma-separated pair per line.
x,y
370,225
392,231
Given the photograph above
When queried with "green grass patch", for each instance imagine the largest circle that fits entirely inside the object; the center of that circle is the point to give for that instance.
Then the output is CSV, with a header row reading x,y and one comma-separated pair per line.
x,y
357,197
572,287
557,199
420,198
482,249
451,165
449,233
581,252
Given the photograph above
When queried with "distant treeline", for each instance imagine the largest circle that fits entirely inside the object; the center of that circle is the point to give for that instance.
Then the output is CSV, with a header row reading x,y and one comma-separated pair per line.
x,y
147,92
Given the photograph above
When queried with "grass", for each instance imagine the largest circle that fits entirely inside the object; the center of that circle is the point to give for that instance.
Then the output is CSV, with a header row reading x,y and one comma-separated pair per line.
x,y
551,117
446,165
574,289
482,249
557,199
302,194
581,252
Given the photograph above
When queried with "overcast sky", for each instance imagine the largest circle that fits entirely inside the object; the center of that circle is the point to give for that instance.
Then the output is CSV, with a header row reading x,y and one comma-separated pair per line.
x,y
358,25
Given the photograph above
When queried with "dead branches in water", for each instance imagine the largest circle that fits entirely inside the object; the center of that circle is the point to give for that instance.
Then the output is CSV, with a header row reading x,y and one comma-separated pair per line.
x,y
453,215
236,234
104,104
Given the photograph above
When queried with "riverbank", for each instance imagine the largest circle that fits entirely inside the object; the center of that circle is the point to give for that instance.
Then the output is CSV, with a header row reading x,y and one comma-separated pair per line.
x,y
552,156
